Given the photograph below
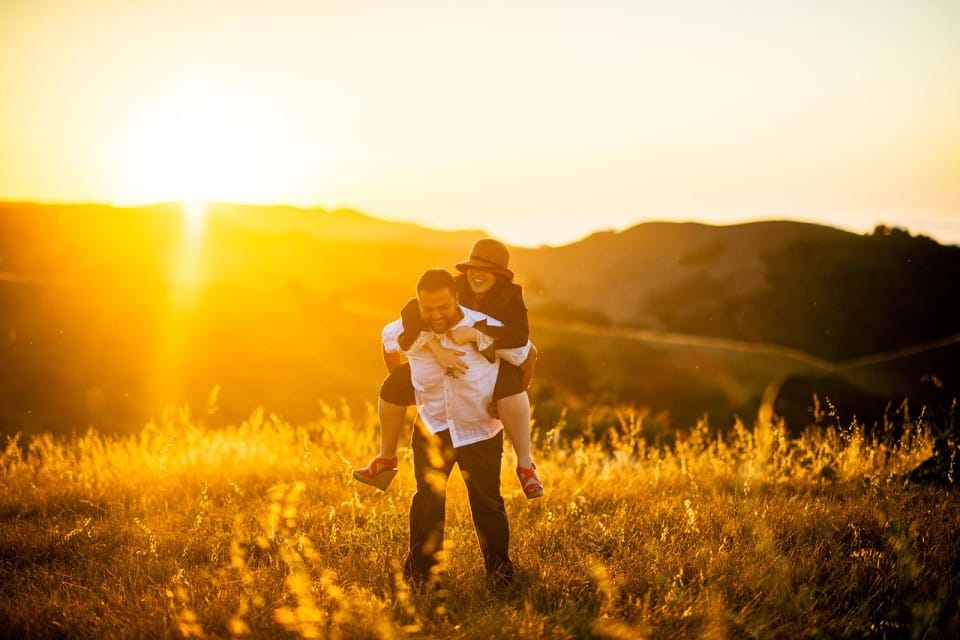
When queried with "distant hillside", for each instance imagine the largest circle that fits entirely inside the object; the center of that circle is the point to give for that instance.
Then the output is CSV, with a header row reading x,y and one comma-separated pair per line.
x,y
619,272
40,237
834,294
339,225
107,314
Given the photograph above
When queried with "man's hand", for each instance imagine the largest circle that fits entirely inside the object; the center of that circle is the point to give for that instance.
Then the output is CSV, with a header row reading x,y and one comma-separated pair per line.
x,y
463,335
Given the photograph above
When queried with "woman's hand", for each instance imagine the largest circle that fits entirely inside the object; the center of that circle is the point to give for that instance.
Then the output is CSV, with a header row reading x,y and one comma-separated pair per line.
x,y
463,335
448,359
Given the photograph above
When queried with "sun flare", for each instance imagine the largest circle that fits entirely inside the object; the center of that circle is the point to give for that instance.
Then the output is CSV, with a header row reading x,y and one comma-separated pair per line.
x,y
196,143
194,218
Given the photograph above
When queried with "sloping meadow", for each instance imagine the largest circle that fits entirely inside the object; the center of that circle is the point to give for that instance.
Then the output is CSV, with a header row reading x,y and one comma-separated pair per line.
x,y
257,530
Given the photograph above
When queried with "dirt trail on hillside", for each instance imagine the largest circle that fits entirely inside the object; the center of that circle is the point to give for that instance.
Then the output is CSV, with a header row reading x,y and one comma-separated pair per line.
x,y
745,346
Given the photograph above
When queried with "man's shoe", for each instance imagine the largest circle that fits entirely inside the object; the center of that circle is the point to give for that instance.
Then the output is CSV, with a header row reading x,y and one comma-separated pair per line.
x,y
421,579
378,473
501,577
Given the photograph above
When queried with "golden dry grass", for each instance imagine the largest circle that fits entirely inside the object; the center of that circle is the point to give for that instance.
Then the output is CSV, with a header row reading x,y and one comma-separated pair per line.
x,y
257,530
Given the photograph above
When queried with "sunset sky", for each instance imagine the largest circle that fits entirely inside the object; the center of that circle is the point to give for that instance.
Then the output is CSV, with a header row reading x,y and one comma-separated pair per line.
x,y
536,121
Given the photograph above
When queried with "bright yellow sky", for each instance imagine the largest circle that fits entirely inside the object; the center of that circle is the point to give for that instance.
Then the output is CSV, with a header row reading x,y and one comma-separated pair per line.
x,y
536,121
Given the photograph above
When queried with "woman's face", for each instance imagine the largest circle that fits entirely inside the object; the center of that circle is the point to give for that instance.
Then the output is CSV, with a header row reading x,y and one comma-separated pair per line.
x,y
481,281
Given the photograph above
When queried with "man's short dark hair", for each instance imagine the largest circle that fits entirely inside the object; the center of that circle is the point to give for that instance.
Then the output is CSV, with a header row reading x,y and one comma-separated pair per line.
x,y
435,280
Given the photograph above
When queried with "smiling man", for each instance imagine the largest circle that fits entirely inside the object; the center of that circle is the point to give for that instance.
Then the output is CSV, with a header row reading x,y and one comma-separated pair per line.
x,y
456,429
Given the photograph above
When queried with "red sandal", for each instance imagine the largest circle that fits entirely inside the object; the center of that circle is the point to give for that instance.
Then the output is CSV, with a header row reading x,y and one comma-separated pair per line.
x,y
530,481
378,473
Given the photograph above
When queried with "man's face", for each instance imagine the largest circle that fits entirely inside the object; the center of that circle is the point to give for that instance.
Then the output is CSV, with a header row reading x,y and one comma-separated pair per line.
x,y
439,309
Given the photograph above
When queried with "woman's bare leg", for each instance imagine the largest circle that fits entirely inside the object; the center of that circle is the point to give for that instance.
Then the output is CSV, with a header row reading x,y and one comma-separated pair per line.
x,y
515,415
391,425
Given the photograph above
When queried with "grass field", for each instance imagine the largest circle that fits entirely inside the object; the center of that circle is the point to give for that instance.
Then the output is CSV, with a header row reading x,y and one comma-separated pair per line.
x,y
257,530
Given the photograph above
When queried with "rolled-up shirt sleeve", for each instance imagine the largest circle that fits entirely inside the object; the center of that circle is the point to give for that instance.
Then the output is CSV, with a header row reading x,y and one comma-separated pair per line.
x,y
484,341
390,336
515,356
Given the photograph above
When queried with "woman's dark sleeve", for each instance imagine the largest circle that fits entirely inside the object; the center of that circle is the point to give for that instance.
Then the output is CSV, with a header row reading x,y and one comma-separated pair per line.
x,y
512,312
410,315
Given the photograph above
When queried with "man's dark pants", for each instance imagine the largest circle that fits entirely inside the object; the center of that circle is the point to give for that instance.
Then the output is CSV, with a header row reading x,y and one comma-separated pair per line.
x,y
480,467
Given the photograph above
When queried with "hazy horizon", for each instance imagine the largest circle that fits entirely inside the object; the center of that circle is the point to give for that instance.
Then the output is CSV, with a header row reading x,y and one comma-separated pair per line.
x,y
573,238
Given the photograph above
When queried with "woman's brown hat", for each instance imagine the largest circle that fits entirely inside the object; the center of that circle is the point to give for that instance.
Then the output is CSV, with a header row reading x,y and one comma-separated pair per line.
x,y
490,255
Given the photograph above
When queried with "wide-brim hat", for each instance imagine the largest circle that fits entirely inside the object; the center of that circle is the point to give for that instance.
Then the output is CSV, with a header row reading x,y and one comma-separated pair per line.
x,y
490,255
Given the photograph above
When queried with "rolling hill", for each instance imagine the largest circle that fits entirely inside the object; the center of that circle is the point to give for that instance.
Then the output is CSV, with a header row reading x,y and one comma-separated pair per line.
x,y
832,293
110,314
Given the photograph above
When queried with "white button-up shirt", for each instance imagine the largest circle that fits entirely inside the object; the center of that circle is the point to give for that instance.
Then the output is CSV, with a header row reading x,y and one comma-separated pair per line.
x,y
458,404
